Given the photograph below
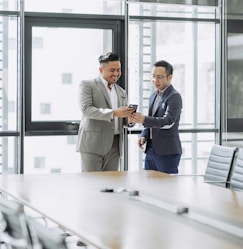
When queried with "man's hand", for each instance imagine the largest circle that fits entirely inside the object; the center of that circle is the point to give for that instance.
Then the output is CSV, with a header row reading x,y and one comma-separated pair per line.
x,y
137,117
123,112
141,142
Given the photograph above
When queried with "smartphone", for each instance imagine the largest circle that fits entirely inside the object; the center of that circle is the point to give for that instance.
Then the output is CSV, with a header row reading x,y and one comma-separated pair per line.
x,y
135,107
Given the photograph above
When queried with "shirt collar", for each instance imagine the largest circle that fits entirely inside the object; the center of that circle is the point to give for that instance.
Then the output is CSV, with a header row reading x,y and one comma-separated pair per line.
x,y
105,82
160,93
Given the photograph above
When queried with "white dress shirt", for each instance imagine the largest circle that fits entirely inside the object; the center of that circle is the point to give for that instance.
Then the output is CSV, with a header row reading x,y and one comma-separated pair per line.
x,y
114,101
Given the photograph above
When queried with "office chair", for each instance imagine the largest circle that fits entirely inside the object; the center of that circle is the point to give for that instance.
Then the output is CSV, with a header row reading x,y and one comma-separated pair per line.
x,y
14,231
43,237
236,181
219,165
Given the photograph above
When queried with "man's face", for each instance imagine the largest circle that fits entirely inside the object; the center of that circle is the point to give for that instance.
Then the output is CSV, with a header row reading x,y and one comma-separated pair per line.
x,y
111,71
160,79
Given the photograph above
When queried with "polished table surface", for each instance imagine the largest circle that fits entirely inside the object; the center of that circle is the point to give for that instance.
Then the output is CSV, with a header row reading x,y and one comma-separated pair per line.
x,y
146,209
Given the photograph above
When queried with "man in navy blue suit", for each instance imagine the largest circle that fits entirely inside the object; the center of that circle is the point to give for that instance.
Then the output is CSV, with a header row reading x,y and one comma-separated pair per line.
x,y
163,145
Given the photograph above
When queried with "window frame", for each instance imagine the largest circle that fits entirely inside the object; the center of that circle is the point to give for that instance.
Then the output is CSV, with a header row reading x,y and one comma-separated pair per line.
x,y
114,23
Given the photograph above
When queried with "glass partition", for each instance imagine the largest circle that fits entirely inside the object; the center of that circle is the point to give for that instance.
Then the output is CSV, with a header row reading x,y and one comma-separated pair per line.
x,y
9,154
9,5
51,154
9,87
233,76
185,34
190,46
171,10
61,57
8,73
59,53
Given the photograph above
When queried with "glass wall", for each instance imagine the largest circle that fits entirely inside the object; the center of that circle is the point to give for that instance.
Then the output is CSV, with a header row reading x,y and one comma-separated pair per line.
x,y
185,36
9,86
60,56
62,71
98,7
233,75
60,51
51,154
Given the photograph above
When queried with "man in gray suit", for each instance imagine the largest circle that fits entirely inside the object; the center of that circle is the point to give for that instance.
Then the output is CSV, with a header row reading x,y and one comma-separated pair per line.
x,y
103,105
163,147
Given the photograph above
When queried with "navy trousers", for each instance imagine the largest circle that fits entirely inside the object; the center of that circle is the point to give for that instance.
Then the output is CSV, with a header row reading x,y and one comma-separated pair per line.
x,y
166,163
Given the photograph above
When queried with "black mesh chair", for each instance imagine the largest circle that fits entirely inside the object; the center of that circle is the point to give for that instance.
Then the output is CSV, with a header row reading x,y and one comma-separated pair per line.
x,y
219,165
236,181
14,232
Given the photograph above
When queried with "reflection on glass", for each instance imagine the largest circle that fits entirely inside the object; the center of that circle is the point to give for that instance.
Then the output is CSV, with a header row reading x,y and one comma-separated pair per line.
x,y
61,58
235,76
234,7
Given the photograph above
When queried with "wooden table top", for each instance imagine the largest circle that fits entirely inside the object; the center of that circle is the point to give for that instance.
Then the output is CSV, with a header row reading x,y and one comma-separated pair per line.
x,y
120,220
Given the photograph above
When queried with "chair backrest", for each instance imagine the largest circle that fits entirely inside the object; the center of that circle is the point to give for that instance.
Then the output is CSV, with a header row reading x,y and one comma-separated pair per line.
x,y
14,230
219,164
43,236
236,180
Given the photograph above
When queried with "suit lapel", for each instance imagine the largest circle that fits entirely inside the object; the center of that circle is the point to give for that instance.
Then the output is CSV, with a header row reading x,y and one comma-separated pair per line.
x,y
119,95
158,106
102,88
167,93
162,100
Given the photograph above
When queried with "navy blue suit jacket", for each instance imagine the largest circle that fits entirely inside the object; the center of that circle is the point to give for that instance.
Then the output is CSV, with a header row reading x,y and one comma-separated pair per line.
x,y
164,123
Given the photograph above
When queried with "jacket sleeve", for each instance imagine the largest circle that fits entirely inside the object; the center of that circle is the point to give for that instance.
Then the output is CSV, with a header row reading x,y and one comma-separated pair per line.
x,y
167,114
92,102
145,133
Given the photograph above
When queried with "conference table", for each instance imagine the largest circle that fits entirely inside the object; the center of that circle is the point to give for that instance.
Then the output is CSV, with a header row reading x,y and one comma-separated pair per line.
x,y
134,210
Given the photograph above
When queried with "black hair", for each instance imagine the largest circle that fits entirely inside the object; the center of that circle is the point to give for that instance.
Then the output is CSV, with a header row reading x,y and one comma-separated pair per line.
x,y
105,58
167,65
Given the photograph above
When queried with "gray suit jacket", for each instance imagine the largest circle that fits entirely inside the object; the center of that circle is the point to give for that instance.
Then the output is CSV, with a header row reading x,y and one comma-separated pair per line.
x,y
164,123
96,129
